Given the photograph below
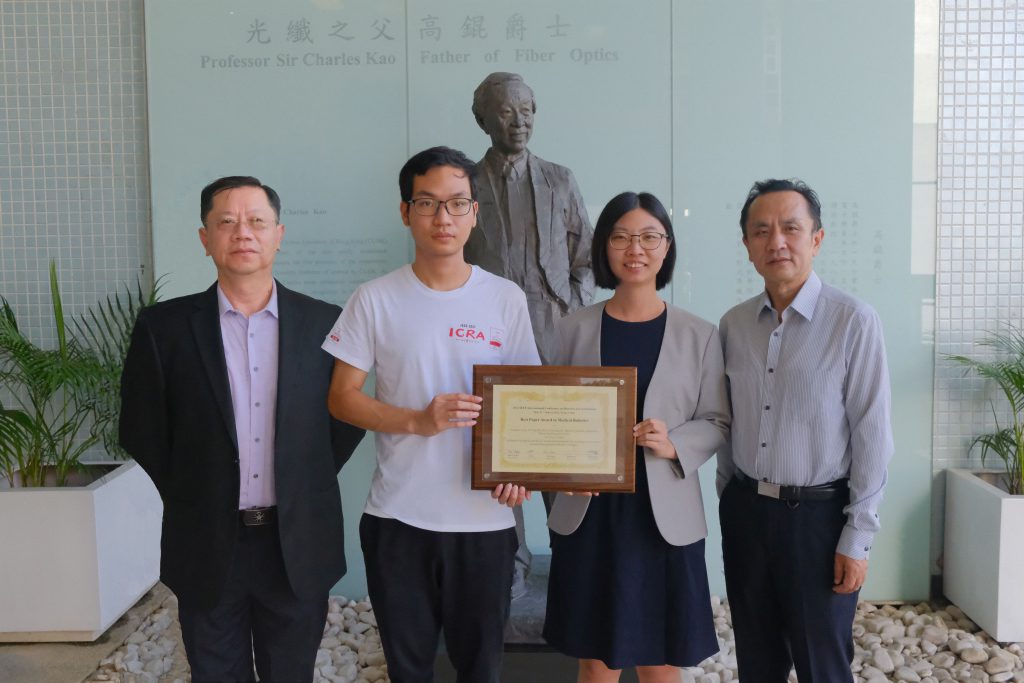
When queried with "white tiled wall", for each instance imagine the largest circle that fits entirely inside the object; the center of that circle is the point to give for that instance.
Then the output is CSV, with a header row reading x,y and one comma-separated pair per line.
x,y
980,245
74,182
979,259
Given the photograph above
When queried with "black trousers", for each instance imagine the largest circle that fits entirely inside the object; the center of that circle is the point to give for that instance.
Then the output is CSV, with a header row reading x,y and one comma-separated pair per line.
x,y
424,582
779,568
258,617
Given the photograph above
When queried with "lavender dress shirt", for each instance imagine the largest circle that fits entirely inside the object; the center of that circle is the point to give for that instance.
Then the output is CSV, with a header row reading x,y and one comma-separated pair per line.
x,y
250,350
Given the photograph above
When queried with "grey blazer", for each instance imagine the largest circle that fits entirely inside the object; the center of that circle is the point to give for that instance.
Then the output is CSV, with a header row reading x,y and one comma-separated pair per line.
x,y
687,392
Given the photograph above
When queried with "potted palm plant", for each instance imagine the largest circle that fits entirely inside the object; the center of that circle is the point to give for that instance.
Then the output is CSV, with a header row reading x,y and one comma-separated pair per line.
x,y
52,397
80,539
985,510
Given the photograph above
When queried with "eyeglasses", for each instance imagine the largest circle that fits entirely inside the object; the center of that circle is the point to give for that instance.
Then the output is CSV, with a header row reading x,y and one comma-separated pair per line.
x,y
648,240
456,206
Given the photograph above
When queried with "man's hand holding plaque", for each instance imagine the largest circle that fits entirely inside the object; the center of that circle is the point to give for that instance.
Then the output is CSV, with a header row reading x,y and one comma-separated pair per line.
x,y
446,411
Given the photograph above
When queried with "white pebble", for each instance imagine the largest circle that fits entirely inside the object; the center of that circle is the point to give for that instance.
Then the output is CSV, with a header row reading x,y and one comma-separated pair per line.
x,y
974,655
998,664
882,660
907,643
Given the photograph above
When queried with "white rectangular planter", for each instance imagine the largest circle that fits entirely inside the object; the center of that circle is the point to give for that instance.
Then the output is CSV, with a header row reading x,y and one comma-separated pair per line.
x,y
74,559
984,554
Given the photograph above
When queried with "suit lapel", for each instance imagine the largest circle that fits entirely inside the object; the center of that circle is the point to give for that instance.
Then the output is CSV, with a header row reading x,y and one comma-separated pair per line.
x,y
543,198
206,330
290,322
493,229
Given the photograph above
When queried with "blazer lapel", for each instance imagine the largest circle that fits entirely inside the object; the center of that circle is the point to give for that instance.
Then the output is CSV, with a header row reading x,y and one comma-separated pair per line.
x,y
206,329
586,343
657,389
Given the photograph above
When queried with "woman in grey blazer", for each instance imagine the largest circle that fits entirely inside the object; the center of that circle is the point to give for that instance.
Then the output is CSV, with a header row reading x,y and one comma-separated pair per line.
x,y
628,584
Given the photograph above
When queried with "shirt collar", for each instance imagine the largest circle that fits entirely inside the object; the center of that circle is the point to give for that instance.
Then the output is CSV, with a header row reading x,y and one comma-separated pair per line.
x,y
495,162
224,306
805,302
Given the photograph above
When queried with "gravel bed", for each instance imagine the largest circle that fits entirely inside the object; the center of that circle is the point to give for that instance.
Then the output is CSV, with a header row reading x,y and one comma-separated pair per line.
x,y
893,642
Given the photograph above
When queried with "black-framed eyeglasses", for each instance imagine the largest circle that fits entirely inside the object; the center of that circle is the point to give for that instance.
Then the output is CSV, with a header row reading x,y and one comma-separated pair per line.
x,y
456,206
648,240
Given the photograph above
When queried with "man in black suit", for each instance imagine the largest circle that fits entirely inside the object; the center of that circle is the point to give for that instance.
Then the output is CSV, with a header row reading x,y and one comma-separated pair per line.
x,y
224,404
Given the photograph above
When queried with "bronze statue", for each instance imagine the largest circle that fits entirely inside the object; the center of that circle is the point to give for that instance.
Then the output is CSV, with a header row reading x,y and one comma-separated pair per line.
x,y
532,228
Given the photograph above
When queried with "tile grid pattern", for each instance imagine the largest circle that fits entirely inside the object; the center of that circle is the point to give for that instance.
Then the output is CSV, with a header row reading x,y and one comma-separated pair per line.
x,y
980,231
74,177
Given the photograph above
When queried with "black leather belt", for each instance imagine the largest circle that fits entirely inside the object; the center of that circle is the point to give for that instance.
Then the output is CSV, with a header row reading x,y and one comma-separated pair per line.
x,y
833,489
257,516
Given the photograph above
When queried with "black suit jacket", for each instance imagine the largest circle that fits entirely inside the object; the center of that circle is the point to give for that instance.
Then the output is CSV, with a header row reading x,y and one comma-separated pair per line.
x,y
177,421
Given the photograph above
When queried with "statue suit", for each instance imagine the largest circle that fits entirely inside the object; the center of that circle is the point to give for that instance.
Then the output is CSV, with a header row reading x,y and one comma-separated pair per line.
x,y
563,242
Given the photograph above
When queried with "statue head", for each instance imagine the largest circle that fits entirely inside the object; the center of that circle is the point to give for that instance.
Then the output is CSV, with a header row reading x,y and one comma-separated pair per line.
x,y
504,107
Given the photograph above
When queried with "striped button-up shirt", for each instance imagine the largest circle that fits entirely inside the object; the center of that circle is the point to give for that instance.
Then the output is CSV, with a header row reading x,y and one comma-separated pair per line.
x,y
250,350
811,400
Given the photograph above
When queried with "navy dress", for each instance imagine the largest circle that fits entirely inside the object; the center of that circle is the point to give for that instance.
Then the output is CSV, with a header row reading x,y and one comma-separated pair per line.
x,y
618,591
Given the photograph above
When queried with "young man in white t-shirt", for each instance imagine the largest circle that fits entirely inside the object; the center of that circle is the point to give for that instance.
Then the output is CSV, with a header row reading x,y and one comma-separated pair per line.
x,y
438,554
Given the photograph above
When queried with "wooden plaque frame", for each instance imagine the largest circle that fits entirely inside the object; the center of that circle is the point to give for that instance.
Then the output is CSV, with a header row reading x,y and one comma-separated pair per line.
x,y
623,379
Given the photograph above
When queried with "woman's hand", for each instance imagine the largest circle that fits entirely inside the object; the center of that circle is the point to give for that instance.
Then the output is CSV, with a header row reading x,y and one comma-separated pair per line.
x,y
653,434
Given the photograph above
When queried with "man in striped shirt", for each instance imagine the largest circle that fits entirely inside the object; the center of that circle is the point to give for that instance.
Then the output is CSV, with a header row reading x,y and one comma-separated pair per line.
x,y
802,478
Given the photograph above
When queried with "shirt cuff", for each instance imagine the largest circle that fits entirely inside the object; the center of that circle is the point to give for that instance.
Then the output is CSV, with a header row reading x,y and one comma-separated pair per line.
x,y
855,543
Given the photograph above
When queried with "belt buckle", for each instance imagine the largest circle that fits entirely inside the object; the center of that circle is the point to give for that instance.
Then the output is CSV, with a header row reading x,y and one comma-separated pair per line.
x,y
255,516
766,488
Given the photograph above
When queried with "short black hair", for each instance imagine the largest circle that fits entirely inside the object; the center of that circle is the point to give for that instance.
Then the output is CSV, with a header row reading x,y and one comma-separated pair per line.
x,y
423,161
786,185
230,183
619,206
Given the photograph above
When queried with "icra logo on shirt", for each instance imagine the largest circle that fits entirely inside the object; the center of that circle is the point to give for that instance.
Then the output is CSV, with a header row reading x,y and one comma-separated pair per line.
x,y
469,333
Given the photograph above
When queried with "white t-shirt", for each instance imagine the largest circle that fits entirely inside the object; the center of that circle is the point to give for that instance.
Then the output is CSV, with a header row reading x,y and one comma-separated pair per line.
x,y
421,342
